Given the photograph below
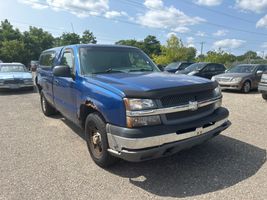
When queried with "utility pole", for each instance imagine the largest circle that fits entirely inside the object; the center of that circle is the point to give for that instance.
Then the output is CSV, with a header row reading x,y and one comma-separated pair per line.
x,y
263,54
72,27
201,49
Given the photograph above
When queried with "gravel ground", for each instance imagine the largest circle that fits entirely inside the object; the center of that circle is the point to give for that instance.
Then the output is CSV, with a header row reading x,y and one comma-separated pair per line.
x,y
47,158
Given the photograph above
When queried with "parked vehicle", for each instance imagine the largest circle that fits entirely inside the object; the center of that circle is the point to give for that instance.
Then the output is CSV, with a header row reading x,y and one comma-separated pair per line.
x,y
203,69
33,65
126,106
1,61
177,66
15,76
242,77
263,86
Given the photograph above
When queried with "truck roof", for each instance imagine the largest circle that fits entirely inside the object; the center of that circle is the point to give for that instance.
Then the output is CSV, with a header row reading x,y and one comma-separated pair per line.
x,y
90,45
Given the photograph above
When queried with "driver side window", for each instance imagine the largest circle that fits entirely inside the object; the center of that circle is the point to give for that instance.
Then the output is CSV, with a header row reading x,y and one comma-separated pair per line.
x,y
68,59
138,61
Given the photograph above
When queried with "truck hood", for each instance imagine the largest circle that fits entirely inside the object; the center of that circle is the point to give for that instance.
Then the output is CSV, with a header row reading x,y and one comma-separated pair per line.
x,y
233,75
147,84
15,75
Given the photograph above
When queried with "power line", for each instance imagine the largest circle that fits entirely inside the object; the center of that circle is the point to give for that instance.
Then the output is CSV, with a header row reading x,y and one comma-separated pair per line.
x,y
218,12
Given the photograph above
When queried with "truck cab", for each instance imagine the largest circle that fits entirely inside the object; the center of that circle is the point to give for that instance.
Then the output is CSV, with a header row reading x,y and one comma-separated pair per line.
x,y
126,106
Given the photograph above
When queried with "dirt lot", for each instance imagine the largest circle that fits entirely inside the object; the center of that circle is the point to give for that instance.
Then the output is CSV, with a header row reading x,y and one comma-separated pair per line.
x,y
47,158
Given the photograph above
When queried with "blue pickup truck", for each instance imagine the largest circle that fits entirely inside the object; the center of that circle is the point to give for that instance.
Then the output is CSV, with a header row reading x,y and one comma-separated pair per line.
x,y
126,106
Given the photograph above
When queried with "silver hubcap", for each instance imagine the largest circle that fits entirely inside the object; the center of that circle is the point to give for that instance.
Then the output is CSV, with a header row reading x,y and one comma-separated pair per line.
x,y
96,138
43,104
247,87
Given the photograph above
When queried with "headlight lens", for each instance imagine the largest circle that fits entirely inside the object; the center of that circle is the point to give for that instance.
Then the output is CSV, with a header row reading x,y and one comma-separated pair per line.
x,y
264,78
218,91
143,121
192,73
236,80
139,104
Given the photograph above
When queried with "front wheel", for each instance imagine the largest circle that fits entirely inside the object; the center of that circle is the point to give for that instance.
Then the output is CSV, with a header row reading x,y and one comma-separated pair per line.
x,y
97,142
246,87
264,96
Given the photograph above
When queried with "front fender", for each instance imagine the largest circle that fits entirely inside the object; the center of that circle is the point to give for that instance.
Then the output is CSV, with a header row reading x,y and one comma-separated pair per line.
x,y
109,104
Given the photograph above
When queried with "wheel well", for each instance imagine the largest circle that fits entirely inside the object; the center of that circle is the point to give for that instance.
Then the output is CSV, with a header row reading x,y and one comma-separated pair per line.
x,y
247,80
86,109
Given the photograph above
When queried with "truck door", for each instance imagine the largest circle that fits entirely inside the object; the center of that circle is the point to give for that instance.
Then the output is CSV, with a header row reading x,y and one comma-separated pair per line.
x,y
64,87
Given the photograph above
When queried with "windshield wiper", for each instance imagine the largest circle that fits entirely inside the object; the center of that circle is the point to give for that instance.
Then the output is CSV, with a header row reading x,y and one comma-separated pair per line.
x,y
110,70
140,70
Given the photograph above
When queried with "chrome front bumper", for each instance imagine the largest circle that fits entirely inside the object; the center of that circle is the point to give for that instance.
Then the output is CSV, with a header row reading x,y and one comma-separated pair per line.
x,y
230,85
143,143
16,86
119,143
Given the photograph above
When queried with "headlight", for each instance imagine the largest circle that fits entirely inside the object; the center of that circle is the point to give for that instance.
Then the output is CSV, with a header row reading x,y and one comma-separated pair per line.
x,y
143,121
264,78
139,104
192,73
236,80
218,91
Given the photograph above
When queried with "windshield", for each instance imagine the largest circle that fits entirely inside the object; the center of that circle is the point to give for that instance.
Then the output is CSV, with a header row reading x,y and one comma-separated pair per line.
x,y
172,66
242,69
184,65
12,68
114,60
195,67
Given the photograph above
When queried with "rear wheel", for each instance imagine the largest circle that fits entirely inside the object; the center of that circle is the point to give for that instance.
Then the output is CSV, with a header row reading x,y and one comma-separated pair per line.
x,y
264,96
246,87
97,142
47,109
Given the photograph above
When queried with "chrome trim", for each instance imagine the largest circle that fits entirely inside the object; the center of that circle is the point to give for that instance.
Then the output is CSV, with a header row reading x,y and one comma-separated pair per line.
x,y
173,109
117,143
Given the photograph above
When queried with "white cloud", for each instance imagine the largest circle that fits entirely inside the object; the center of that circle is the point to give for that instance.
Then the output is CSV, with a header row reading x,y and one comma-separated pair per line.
x,y
161,16
190,42
181,29
262,22
80,8
208,2
34,4
153,4
201,34
252,5
113,14
221,32
228,43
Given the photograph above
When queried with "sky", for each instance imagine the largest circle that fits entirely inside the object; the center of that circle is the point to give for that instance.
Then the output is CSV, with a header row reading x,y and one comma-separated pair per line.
x,y
235,26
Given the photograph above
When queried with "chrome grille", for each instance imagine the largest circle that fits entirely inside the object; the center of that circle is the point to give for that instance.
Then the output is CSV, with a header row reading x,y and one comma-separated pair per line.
x,y
175,100
186,114
14,81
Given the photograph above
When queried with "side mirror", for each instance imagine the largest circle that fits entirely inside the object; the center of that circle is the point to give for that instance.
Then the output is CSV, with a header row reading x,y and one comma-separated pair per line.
x,y
259,72
62,71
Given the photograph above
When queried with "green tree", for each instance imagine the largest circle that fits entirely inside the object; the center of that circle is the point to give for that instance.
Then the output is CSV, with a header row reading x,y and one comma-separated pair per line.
x,y
133,43
7,32
36,40
88,37
151,45
69,38
13,51
175,51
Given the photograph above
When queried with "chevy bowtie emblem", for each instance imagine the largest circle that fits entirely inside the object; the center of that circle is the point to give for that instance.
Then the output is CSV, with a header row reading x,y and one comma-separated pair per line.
x,y
193,105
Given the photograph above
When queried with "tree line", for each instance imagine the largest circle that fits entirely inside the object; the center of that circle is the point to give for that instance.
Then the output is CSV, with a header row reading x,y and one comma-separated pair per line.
x,y
17,46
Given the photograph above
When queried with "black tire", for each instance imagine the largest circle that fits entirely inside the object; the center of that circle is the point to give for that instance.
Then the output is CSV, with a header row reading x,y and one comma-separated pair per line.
x,y
246,87
264,96
47,109
97,142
